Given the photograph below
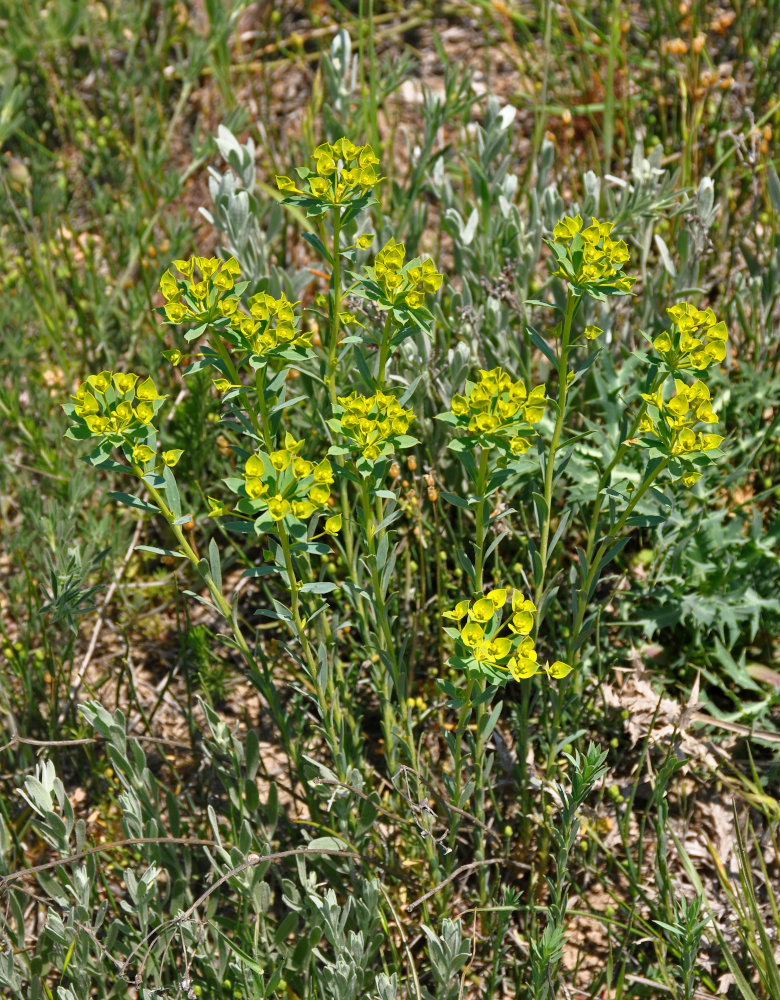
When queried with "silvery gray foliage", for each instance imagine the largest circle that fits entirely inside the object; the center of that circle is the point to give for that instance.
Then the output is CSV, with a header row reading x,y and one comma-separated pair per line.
x,y
250,224
496,232
386,987
351,935
448,953
45,794
340,69
248,228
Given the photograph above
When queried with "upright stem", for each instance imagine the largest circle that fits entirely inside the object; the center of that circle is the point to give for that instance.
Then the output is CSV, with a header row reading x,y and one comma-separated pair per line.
x,y
265,428
607,473
481,526
335,305
594,566
236,379
386,632
329,705
216,593
384,351
480,709
572,302
457,754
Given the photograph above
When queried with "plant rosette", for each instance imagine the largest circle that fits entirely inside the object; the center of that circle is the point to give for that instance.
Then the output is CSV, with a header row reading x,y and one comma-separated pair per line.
x,y
494,642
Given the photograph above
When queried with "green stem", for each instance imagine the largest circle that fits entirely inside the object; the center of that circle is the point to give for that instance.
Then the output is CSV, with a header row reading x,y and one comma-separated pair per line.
x,y
572,302
595,567
329,706
481,526
335,306
295,604
265,429
216,593
235,379
387,641
607,473
384,352
457,757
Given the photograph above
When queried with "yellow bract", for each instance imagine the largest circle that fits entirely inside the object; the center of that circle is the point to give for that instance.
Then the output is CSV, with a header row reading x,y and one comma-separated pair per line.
x,y
216,276
696,340
104,402
372,422
404,285
590,259
481,634
499,408
343,171
682,415
288,484
271,324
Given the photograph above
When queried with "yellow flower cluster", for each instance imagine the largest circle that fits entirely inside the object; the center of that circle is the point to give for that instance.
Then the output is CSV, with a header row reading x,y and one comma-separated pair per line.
x,y
373,423
497,408
270,324
401,284
115,404
289,485
589,259
342,170
678,421
195,301
684,346
480,628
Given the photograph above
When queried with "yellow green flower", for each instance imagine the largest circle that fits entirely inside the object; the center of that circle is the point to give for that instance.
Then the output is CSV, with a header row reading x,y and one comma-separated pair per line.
x,y
142,453
499,410
373,425
278,507
676,424
195,301
459,612
558,669
695,341
104,404
404,285
171,457
343,172
590,260
482,610
333,524
497,644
